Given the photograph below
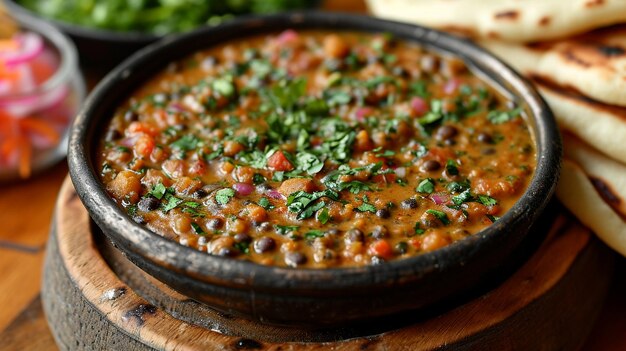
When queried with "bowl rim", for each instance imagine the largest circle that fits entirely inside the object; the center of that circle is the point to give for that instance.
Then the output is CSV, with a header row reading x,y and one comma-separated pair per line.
x,y
243,274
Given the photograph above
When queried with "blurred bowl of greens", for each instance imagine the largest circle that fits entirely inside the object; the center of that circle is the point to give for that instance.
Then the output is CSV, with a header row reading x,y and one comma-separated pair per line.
x,y
107,31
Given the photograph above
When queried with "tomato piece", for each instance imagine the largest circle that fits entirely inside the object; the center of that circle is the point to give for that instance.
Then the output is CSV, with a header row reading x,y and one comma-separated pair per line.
x,y
144,146
279,162
381,248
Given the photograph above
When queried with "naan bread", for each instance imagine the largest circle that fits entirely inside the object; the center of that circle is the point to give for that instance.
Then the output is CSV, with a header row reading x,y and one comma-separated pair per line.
x,y
577,193
592,63
608,176
600,125
509,20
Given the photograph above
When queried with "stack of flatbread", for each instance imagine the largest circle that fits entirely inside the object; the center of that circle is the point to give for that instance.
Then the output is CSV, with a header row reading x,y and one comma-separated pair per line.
x,y
575,52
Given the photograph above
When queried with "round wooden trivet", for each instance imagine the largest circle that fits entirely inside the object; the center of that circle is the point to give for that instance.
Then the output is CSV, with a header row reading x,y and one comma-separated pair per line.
x,y
95,299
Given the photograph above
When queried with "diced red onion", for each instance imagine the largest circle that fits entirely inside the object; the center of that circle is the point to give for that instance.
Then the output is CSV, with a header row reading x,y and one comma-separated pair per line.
x,y
31,45
243,188
439,199
419,105
451,86
287,36
362,112
400,172
130,141
274,194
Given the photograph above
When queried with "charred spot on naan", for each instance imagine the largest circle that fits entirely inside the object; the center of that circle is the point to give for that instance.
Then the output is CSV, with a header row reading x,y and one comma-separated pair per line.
x,y
572,94
507,15
608,195
594,3
545,21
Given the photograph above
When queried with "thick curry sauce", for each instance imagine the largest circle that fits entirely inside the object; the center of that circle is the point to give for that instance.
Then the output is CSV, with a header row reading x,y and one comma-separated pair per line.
x,y
317,149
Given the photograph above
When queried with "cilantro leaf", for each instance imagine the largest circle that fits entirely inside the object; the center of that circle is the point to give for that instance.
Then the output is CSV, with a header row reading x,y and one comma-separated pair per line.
x,y
243,247
418,230
442,216
464,196
316,233
285,229
487,200
171,202
452,168
323,216
186,143
158,191
365,207
499,117
197,229
223,196
493,219
426,186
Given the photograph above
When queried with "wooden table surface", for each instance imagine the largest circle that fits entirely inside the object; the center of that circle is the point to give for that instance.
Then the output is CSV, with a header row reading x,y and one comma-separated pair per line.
x,y
25,212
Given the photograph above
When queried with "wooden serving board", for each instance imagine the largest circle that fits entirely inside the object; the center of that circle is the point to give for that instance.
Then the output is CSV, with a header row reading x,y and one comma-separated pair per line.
x,y
95,299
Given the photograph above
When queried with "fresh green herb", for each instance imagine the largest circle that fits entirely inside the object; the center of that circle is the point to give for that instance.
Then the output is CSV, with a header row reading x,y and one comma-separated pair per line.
x,y
121,148
303,204
365,207
452,168
419,88
464,196
458,187
243,247
493,219
171,202
417,229
197,229
158,191
258,178
265,203
312,234
487,200
285,229
323,216
442,216
223,196
224,86
426,186
499,117
186,143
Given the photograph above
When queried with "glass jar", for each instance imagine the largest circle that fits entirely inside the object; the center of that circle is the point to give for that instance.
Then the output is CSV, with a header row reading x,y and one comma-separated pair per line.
x,y
35,114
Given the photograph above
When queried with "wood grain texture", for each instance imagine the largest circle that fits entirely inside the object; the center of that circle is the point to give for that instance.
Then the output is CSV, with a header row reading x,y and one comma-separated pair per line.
x,y
29,331
565,272
19,283
26,209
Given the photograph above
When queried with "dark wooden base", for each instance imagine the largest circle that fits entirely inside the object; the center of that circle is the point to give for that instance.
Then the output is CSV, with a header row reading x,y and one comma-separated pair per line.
x,y
95,299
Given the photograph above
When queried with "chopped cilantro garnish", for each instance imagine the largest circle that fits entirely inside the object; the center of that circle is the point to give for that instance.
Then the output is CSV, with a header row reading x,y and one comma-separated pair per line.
x,y
285,229
171,202
224,86
464,196
419,88
265,203
452,168
417,229
197,229
499,117
223,196
365,207
442,216
243,247
487,200
426,186
158,191
186,143
302,202
258,178
458,187
493,219
312,234
323,216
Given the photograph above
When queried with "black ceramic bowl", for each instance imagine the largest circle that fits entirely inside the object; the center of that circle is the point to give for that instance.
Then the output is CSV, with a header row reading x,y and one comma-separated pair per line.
x,y
309,296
